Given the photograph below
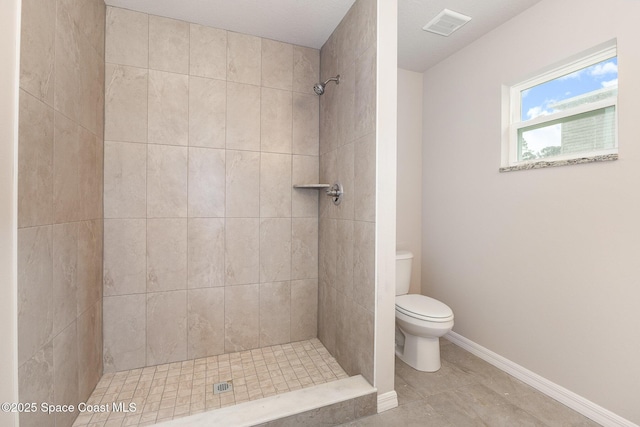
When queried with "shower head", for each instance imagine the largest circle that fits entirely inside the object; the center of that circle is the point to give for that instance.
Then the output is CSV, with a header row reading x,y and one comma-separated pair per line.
x,y
318,88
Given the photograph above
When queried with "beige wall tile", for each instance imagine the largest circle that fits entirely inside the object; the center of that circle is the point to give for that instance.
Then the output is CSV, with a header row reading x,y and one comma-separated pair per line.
x,y
277,64
365,24
35,379
85,15
168,45
65,373
166,327
205,312
275,185
65,283
166,181
90,160
37,40
125,323
275,313
304,309
90,261
168,108
365,93
304,203
89,326
304,248
364,264
306,69
67,205
207,112
327,251
125,251
344,258
242,251
365,178
125,116
328,129
275,120
127,37
275,249
243,58
345,166
35,290
243,117
241,317
344,318
35,162
362,334
125,180
206,252
206,182
346,105
305,124
345,40
328,175
327,317
166,254
242,184
208,52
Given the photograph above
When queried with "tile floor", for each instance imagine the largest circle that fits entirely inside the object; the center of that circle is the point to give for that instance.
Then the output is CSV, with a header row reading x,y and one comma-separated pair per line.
x,y
179,389
468,391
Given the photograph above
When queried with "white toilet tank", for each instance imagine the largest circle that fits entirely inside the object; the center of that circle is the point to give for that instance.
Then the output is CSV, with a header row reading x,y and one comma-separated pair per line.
x,y
403,272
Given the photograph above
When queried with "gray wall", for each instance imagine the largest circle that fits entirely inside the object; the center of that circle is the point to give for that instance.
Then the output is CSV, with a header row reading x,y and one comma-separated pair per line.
x,y
208,249
348,154
60,204
539,266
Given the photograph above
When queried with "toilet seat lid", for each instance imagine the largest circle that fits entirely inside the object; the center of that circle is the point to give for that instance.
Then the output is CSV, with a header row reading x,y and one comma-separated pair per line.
x,y
417,305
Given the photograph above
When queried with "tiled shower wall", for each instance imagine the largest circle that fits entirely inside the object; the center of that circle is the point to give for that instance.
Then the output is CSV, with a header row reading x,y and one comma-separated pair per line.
x,y
348,154
60,204
208,249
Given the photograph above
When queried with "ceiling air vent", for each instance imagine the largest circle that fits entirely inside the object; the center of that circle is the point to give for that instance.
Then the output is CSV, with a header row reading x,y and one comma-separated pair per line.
x,y
446,22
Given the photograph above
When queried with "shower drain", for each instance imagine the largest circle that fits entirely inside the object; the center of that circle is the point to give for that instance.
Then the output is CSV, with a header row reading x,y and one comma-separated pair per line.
x,y
222,387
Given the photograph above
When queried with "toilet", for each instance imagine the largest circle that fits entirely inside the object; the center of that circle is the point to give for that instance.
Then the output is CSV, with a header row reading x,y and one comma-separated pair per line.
x,y
421,321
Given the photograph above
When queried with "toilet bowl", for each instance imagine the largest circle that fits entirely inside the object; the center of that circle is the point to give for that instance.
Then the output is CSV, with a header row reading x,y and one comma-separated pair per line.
x,y
421,321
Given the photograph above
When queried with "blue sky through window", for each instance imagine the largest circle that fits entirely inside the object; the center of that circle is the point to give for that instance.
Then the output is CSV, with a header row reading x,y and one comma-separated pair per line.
x,y
539,100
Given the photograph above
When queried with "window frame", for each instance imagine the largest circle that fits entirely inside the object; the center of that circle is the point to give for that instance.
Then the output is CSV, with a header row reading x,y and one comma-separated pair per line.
x,y
602,53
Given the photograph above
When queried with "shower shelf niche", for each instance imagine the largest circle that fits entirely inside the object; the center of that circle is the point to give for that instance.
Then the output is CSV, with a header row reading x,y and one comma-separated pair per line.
x,y
334,191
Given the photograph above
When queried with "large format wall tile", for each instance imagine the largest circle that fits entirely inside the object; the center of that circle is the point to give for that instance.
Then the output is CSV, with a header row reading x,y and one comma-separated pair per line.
x,y
241,317
242,184
304,203
306,69
365,178
243,58
168,108
65,373
275,249
125,250
206,182
90,263
304,248
166,327
205,312
35,384
37,49
65,283
207,112
275,121
208,52
125,180
168,45
166,254
275,313
275,185
243,117
166,181
364,263
125,331
206,253
304,309
35,291
89,326
127,37
277,65
305,124
242,251
35,162
125,103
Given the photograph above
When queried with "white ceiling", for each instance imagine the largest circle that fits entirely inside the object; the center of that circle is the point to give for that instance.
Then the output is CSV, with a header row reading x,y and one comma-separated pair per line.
x,y
311,22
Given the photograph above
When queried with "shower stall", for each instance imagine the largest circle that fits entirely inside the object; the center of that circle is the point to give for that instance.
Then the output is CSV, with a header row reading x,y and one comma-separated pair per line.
x,y
165,256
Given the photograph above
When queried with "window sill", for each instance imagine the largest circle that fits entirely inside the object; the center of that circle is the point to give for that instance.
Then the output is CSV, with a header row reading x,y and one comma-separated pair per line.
x,y
549,164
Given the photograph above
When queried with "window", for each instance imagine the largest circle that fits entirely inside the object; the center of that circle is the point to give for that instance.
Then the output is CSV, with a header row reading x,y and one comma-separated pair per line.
x,y
565,114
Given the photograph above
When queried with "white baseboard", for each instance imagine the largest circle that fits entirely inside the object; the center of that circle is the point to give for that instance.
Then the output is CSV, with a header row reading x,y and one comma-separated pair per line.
x,y
572,400
387,401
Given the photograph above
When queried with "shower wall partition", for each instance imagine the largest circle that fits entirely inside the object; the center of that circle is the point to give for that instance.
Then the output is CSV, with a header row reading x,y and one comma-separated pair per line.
x,y
347,236
207,247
